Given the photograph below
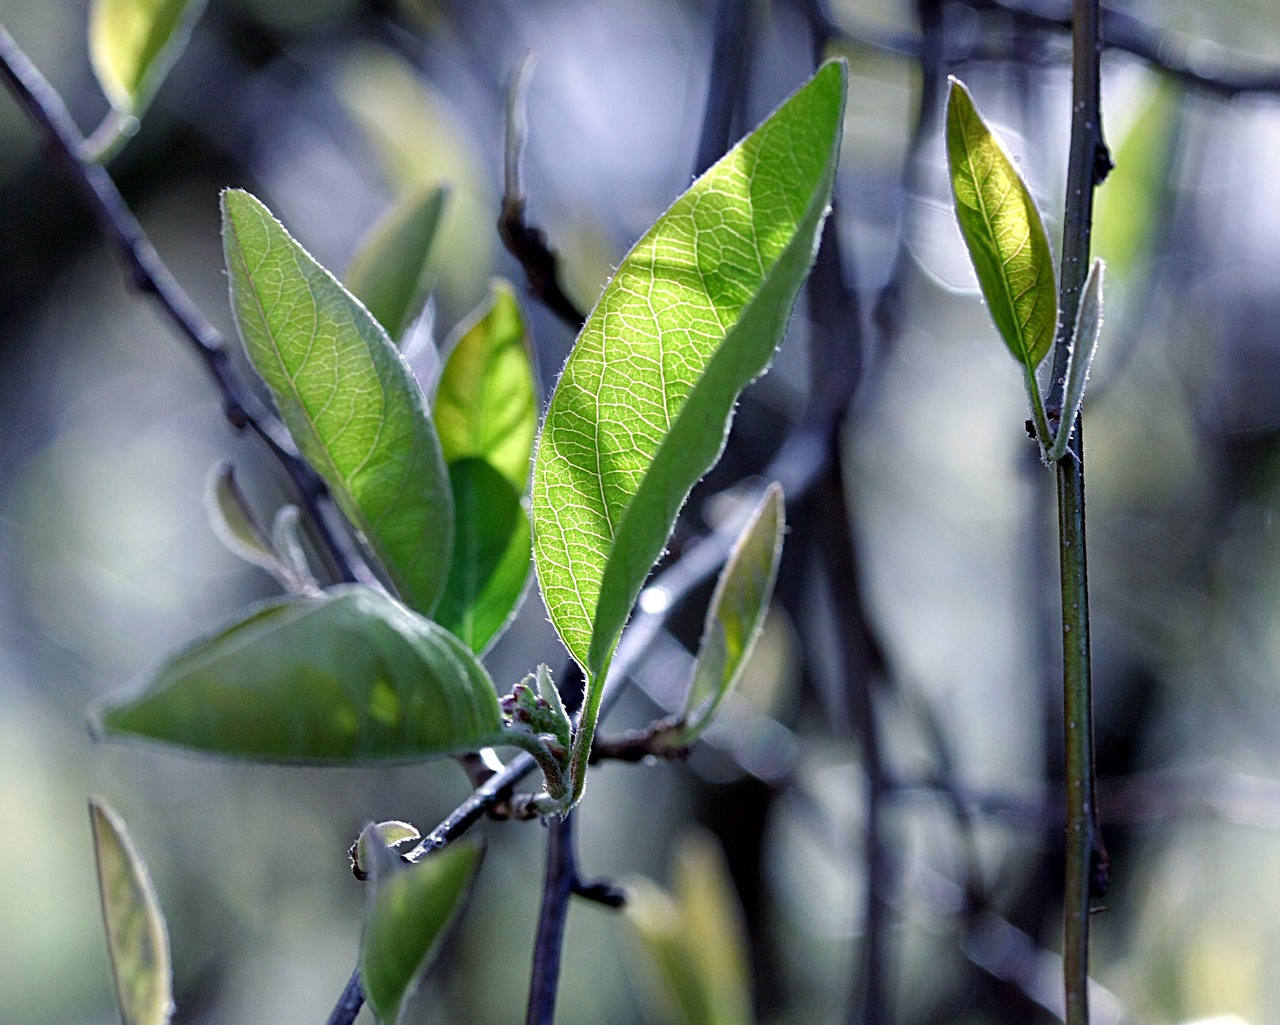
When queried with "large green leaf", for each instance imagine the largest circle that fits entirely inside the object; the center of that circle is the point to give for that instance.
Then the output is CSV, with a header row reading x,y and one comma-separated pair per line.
x,y
1004,232
409,912
132,43
486,412
391,270
349,677
693,314
736,613
137,941
348,398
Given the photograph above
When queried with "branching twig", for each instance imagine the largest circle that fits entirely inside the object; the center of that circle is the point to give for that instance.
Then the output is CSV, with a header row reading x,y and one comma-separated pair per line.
x,y
561,877
527,243
148,273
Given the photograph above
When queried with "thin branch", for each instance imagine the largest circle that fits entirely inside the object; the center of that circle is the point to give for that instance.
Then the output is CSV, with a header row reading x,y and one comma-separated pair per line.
x,y
548,945
349,1003
148,273
528,244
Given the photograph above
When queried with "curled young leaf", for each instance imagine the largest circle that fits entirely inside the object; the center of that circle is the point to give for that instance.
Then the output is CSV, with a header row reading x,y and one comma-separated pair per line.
x,y
736,614
1004,232
347,397
410,909
1084,343
137,940
350,677
390,834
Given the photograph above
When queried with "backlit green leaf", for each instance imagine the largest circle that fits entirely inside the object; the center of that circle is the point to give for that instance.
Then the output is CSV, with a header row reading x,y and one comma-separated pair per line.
x,y
391,270
693,314
486,404
132,43
349,677
736,613
390,834
348,398
410,910
1003,230
486,414
137,941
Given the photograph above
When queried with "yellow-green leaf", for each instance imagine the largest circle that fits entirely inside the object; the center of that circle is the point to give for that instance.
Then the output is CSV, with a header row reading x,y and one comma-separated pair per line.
x,y
1004,232
347,397
137,941
132,43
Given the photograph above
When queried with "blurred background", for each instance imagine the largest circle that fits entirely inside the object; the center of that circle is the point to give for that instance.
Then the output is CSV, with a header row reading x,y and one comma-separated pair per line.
x,y
330,111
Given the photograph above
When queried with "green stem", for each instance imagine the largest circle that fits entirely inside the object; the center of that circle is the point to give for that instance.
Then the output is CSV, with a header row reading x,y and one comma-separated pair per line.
x,y
1039,418
585,733
1088,163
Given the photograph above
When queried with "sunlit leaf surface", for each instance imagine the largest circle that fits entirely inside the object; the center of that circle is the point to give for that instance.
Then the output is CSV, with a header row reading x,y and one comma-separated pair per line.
x,y
350,677
410,911
391,270
736,613
137,941
693,314
348,398
1004,232
132,43
486,413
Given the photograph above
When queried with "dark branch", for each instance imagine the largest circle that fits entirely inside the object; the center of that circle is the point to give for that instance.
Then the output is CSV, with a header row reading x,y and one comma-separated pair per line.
x,y
732,37
528,244
558,887
148,274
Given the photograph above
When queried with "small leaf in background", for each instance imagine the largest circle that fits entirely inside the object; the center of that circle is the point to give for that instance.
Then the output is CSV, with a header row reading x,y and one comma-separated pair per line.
x,y
351,677
736,614
390,834
695,943
347,397
410,909
286,537
692,316
234,524
392,268
132,43
1003,230
1128,209
486,412
137,941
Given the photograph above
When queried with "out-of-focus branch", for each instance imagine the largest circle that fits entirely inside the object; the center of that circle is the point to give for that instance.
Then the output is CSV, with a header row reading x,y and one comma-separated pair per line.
x,y
148,273
527,243
548,945
733,35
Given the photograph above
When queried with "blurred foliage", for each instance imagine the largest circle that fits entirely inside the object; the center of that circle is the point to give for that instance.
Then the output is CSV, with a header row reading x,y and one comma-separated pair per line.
x,y
108,560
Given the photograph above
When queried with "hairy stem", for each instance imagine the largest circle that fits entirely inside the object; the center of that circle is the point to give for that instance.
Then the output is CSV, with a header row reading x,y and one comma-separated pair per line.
x,y
1088,164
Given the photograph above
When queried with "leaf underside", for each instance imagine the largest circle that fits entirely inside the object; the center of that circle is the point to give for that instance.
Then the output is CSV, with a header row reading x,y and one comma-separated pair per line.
x,y
410,911
348,678
1003,231
137,940
693,314
347,396
736,613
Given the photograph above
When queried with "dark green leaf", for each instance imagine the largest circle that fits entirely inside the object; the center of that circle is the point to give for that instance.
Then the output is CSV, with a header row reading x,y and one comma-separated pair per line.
x,y
1003,230
350,677
391,270
491,551
347,396
409,912
137,940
